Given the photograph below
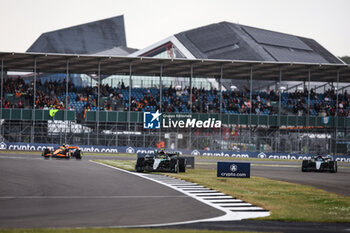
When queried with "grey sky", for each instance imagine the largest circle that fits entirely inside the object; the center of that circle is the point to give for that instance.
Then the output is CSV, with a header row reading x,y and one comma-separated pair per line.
x,y
148,21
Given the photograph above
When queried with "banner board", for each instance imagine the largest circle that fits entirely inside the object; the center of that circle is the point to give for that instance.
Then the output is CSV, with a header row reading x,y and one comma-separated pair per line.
x,y
233,170
149,150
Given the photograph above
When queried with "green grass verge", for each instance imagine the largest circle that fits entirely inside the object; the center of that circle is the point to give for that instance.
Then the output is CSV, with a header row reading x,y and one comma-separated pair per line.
x,y
266,165
109,230
20,152
253,165
244,159
128,165
286,201
110,154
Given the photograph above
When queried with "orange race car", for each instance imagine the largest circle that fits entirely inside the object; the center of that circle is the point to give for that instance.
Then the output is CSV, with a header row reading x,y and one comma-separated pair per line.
x,y
63,151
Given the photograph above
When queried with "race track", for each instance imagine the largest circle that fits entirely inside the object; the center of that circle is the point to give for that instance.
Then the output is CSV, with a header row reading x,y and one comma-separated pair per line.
x,y
35,192
38,193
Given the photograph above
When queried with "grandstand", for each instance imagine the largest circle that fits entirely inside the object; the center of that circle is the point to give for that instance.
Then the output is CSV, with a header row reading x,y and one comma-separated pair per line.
x,y
235,73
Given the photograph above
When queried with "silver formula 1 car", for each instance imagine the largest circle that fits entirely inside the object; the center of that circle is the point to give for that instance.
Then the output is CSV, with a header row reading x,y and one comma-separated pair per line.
x,y
320,164
161,161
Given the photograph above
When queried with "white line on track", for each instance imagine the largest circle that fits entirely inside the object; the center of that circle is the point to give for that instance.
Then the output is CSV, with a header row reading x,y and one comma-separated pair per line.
x,y
235,204
208,199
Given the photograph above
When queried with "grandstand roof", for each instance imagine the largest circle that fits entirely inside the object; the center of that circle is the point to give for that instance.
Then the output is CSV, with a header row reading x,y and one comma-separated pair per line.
x,y
89,38
232,69
231,41
116,51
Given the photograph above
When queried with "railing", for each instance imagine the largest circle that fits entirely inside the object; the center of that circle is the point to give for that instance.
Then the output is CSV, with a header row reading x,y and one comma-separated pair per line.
x,y
114,128
137,117
237,119
40,115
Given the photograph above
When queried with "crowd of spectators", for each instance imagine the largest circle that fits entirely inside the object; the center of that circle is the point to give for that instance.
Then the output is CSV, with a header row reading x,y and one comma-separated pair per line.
x,y
19,94
321,104
203,101
51,95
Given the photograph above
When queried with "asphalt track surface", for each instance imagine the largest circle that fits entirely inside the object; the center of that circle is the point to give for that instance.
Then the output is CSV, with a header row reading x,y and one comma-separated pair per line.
x,y
38,193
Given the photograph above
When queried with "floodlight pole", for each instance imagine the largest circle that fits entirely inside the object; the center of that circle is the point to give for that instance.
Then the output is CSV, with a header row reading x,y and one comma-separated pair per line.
x,y
220,114
66,102
160,97
98,100
34,98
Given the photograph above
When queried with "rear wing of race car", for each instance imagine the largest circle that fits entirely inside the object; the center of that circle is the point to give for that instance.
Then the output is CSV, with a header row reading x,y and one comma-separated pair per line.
x,y
172,153
142,155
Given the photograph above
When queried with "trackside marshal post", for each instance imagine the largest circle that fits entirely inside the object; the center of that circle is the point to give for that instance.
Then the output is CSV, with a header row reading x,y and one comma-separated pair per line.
x,y
233,170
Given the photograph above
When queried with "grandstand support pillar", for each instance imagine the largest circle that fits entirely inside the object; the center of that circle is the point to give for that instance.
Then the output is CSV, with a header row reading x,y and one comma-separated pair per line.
x,y
98,101
191,77
144,139
160,87
251,104
308,109
34,98
220,114
279,111
160,98
336,115
129,107
66,102
190,99
2,93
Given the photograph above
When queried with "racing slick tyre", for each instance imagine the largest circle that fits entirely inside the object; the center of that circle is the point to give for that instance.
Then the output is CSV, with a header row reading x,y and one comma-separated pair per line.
x,y
138,169
77,155
305,165
333,166
176,167
139,165
46,153
182,165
